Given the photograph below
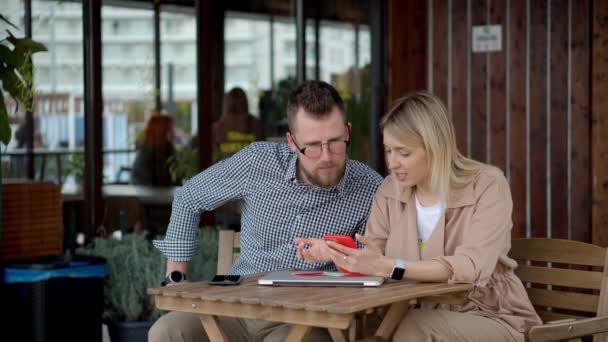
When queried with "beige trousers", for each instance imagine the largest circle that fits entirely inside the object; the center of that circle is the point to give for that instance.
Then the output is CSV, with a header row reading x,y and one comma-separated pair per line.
x,y
441,325
186,327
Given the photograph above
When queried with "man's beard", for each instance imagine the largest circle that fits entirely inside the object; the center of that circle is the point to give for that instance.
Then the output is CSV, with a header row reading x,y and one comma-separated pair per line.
x,y
326,180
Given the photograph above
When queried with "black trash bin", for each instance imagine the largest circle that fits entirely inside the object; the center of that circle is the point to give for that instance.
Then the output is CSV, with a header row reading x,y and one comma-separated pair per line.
x,y
53,300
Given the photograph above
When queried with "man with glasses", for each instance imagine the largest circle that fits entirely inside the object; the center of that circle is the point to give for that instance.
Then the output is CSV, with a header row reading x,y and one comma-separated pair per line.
x,y
305,187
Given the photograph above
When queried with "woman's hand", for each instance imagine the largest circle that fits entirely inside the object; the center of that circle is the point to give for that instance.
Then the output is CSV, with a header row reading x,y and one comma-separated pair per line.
x,y
369,260
312,250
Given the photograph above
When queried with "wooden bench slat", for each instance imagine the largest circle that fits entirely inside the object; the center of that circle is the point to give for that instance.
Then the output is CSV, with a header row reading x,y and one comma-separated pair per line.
x,y
559,277
550,316
557,251
569,330
563,300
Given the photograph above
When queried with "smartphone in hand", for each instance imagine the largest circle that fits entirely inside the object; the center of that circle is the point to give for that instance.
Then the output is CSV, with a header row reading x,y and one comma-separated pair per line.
x,y
225,280
346,241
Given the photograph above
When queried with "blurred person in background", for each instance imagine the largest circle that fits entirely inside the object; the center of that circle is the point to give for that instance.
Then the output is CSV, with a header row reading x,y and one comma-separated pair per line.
x,y
154,150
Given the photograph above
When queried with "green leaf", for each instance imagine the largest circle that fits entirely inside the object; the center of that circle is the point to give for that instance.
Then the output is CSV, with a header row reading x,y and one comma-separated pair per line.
x,y
5,128
3,18
13,84
23,45
9,57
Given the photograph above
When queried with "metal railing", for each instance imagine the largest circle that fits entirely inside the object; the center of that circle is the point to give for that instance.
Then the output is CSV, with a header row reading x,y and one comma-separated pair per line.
x,y
50,164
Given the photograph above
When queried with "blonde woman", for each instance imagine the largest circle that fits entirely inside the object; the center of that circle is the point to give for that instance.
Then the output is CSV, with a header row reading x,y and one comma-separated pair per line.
x,y
439,217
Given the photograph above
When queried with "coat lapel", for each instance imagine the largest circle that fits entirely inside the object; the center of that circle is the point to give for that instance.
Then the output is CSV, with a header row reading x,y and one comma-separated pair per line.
x,y
411,237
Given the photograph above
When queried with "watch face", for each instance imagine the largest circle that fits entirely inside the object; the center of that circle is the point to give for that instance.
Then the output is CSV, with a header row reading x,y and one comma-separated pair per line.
x,y
176,276
398,273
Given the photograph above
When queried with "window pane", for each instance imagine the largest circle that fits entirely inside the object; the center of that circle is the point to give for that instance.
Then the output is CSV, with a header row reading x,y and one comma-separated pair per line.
x,y
178,59
345,56
128,86
260,58
58,87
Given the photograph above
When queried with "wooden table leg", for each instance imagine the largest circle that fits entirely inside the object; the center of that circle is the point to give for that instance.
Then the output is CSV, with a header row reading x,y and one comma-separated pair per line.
x,y
297,333
213,329
393,317
337,335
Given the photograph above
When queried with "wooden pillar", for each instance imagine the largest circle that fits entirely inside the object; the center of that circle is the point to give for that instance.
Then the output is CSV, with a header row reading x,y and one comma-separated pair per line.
x,y
93,114
599,123
209,68
407,50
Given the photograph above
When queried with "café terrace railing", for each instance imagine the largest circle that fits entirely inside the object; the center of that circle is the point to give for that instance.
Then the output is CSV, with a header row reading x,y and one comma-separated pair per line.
x,y
51,164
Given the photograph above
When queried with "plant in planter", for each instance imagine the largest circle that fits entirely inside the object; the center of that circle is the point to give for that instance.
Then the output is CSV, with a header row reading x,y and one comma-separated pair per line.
x,y
183,165
75,168
15,74
16,78
133,265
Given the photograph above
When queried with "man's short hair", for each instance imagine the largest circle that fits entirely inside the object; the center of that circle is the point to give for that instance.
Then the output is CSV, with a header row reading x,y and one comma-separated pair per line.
x,y
315,97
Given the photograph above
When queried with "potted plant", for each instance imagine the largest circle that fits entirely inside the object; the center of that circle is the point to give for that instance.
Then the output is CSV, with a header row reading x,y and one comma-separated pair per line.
x,y
133,265
75,169
15,74
183,165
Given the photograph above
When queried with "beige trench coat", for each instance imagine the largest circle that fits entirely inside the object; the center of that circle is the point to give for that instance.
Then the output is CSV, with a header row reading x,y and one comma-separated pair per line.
x,y
472,239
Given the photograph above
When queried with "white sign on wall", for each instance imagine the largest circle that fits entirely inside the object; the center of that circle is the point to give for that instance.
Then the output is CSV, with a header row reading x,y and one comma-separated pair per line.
x,y
487,38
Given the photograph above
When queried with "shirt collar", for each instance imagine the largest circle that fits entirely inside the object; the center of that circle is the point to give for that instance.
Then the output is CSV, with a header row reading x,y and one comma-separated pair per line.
x,y
459,197
290,175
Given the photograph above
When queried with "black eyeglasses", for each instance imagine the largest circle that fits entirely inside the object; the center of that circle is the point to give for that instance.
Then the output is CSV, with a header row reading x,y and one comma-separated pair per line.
x,y
337,147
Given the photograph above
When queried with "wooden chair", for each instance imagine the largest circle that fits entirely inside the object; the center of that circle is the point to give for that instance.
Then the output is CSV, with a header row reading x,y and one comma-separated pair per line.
x,y
567,297
228,250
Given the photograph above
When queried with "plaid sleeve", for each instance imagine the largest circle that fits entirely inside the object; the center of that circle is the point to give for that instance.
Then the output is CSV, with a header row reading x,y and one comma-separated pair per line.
x,y
227,180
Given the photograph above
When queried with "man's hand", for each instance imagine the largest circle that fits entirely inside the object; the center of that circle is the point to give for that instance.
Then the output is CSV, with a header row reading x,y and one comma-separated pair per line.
x,y
312,250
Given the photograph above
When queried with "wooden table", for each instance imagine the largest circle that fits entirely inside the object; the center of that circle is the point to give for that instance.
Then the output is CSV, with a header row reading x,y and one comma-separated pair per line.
x,y
333,308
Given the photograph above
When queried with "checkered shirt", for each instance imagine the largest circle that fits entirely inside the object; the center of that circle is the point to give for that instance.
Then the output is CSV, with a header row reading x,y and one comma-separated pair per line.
x,y
276,207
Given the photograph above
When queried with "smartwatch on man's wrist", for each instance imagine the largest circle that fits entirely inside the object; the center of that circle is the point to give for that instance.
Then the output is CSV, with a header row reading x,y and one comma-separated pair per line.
x,y
398,270
174,277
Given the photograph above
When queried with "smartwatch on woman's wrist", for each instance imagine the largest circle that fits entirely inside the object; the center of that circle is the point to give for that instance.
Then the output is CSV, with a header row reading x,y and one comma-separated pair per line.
x,y
398,270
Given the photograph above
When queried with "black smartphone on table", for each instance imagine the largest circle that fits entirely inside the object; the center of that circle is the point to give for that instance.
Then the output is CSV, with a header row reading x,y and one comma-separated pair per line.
x,y
224,279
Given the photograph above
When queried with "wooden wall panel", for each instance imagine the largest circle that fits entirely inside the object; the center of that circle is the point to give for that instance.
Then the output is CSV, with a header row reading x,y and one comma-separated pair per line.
x,y
525,108
459,69
599,93
479,69
407,46
558,119
497,136
440,48
537,115
517,114
580,218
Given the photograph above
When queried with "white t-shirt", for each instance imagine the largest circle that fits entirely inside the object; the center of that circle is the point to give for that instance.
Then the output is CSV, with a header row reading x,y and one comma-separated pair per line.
x,y
427,218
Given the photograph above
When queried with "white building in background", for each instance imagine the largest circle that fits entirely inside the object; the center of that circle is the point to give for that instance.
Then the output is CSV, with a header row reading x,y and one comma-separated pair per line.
x,y
128,51
128,62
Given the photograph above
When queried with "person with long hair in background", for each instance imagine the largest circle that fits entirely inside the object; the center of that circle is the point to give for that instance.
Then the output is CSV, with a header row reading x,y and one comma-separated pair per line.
x,y
154,150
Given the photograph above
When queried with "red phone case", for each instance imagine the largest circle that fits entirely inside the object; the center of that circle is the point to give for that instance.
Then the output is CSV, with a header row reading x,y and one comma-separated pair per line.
x,y
344,240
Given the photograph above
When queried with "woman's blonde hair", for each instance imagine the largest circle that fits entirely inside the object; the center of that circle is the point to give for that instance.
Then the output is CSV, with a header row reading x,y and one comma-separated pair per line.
x,y
421,120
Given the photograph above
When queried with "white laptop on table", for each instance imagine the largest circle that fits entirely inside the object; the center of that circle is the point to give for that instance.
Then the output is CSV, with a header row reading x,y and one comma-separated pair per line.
x,y
318,278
